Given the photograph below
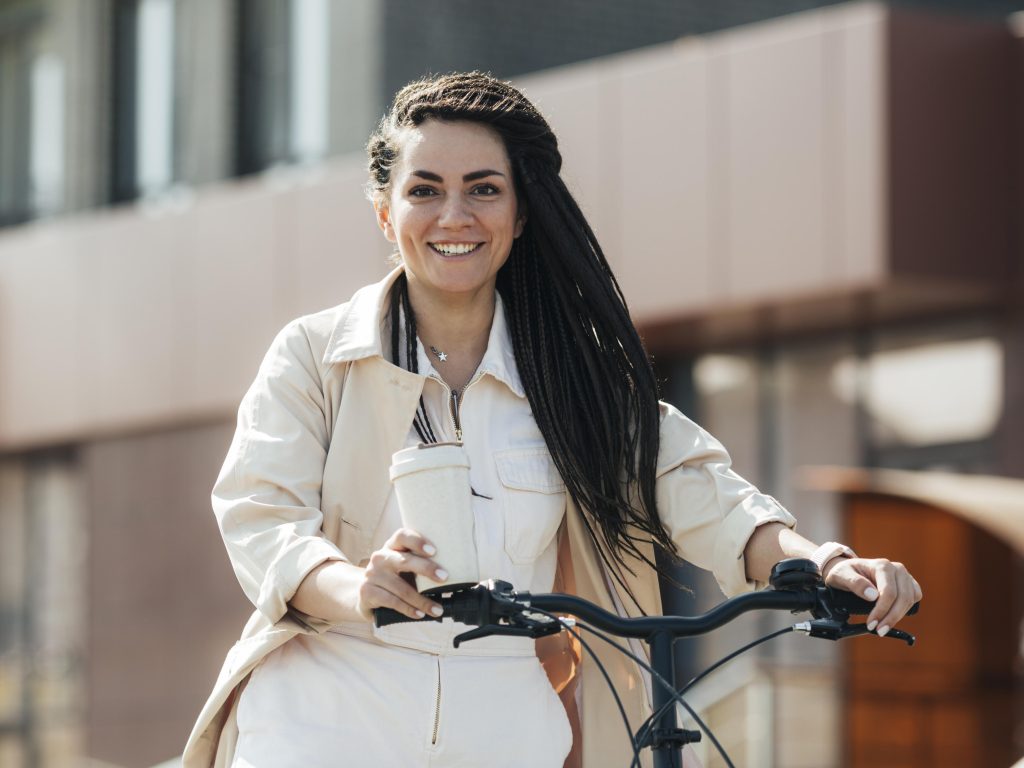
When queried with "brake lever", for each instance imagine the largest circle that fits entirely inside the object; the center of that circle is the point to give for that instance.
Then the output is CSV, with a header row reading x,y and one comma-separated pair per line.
x,y
899,634
492,629
834,629
524,627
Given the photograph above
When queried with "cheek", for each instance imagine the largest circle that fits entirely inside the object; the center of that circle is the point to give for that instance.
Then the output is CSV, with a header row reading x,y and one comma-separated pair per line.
x,y
503,220
410,218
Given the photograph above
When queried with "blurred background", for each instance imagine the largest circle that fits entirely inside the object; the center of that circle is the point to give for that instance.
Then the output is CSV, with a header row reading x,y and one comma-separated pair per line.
x,y
813,209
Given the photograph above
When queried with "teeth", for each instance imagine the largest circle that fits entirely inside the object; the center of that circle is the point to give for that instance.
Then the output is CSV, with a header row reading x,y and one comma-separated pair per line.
x,y
451,249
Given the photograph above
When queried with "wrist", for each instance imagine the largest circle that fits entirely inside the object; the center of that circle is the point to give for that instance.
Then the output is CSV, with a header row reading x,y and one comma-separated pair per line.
x,y
827,567
828,555
330,592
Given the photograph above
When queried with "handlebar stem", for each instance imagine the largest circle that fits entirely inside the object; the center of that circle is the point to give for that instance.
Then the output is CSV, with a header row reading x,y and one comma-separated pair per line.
x,y
661,643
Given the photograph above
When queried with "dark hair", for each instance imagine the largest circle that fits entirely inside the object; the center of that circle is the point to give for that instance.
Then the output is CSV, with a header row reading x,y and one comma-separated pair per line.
x,y
586,374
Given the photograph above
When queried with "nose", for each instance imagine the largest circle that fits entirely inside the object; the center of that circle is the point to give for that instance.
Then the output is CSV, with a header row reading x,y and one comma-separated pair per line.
x,y
455,213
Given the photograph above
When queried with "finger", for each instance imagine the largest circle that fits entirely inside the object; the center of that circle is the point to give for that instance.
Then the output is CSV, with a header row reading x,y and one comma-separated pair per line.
x,y
386,568
852,581
405,592
884,574
373,596
405,562
905,599
408,540
396,561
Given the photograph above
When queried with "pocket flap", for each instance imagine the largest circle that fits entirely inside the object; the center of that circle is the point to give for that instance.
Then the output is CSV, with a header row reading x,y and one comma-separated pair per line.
x,y
529,469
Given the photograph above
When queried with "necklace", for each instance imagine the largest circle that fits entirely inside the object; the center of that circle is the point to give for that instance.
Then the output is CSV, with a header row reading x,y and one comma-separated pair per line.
x,y
442,356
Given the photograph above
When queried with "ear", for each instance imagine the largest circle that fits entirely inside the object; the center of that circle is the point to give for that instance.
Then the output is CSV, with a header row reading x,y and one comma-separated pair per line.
x,y
384,220
520,224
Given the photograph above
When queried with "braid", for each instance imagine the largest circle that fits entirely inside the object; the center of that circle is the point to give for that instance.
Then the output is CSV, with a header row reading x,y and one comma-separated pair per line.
x,y
400,306
586,374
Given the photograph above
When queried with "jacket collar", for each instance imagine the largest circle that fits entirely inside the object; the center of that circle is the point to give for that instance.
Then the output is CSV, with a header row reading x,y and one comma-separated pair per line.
x,y
357,335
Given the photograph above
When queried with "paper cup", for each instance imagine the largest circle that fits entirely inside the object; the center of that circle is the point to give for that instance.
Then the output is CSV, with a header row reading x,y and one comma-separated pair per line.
x,y
432,486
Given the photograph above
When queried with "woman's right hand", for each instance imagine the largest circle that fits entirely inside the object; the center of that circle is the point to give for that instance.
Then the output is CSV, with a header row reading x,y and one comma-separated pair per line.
x,y
383,585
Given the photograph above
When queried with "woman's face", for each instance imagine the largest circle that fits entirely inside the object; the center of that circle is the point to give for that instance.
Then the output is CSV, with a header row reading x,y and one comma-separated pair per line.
x,y
452,210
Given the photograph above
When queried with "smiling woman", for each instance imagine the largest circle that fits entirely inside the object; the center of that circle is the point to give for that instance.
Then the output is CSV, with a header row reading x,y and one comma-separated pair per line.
x,y
502,333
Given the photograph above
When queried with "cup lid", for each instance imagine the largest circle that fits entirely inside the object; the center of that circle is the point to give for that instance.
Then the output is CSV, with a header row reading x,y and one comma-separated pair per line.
x,y
426,456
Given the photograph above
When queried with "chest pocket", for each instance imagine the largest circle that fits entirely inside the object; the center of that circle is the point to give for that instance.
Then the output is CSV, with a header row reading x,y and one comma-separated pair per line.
x,y
533,501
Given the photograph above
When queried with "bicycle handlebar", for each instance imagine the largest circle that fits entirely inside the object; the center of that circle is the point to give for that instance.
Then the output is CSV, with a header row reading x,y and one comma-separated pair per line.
x,y
496,608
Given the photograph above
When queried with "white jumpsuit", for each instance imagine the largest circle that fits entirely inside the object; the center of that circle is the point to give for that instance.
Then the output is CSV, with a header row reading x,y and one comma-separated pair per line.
x,y
402,695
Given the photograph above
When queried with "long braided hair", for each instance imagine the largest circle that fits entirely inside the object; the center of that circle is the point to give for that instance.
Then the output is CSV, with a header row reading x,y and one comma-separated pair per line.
x,y
586,374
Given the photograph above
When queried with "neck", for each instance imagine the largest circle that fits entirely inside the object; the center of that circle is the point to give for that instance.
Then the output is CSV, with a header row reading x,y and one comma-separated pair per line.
x,y
459,326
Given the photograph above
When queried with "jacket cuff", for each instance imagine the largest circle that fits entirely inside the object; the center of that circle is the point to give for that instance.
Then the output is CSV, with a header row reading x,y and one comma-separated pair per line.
x,y
730,566
286,573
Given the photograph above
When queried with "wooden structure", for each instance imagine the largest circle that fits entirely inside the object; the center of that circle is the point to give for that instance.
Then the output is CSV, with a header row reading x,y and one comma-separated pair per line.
x,y
954,699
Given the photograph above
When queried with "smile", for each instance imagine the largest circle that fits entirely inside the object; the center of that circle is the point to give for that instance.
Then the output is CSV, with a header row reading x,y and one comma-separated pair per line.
x,y
455,249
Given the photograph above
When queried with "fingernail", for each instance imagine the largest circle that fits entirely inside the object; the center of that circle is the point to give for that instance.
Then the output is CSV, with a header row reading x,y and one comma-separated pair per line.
x,y
437,610
420,614
871,625
442,574
430,549
870,593
883,630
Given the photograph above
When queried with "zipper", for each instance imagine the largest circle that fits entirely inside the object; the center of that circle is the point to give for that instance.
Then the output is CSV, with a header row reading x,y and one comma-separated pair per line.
x,y
454,403
437,705
454,398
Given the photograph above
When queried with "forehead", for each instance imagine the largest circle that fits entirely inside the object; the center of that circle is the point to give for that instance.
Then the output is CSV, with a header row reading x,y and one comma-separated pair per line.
x,y
450,147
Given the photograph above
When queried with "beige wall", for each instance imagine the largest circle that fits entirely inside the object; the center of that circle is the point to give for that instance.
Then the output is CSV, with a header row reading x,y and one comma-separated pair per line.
x,y
735,168
141,317
163,603
732,178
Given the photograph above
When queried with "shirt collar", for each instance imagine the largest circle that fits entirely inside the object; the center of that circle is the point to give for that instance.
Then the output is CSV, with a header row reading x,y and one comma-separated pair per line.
x,y
357,335
499,360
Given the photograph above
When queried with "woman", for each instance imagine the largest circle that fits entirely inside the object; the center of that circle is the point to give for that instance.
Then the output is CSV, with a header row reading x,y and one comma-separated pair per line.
x,y
502,328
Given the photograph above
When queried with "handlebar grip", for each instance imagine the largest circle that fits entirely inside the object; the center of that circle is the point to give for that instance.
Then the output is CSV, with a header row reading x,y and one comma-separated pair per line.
x,y
382,617
858,606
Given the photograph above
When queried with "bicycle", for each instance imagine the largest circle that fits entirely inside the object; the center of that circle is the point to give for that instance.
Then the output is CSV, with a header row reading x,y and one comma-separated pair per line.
x,y
495,608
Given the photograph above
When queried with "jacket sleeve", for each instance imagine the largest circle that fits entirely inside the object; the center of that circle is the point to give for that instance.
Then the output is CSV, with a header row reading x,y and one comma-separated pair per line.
x,y
267,496
710,511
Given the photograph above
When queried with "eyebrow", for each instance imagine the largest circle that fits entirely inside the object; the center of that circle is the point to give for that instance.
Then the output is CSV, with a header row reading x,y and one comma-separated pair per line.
x,y
473,176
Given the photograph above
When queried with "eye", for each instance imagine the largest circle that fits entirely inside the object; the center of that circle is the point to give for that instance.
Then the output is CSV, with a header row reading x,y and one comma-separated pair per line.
x,y
485,190
422,192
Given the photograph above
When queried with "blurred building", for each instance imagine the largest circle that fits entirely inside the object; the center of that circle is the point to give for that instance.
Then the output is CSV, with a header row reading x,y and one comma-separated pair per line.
x,y
815,217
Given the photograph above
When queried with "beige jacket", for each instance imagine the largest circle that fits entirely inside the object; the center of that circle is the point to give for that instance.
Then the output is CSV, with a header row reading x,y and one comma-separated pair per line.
x,y
306,479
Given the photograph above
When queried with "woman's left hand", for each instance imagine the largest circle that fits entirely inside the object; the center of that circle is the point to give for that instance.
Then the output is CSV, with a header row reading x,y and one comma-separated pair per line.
x,y
889,585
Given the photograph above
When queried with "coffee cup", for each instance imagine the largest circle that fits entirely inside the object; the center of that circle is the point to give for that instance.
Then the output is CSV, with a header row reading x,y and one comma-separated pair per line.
x,y
434,497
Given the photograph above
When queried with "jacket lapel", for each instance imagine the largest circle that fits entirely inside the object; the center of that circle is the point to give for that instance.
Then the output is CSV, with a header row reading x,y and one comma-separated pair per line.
x,y
356,480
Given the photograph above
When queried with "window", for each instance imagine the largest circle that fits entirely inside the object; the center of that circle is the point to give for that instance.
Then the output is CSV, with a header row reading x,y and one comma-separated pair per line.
x,y
283,87
42,570
30,94
930,398
916,397
143,149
